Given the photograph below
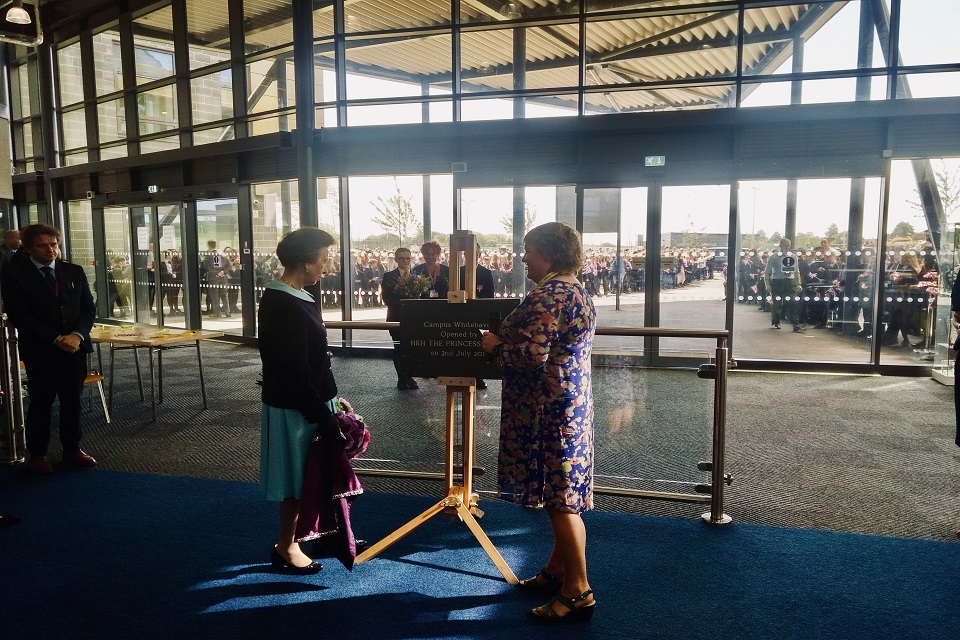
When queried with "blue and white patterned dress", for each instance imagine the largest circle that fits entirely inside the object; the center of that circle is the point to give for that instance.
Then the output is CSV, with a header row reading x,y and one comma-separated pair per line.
x,y
546,425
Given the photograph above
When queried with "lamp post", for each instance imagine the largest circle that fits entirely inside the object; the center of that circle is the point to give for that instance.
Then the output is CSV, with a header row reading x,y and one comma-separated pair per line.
x,y
753,221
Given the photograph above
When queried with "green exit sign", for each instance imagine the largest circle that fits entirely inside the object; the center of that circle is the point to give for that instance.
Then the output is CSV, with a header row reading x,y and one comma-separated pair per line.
x,y
654,161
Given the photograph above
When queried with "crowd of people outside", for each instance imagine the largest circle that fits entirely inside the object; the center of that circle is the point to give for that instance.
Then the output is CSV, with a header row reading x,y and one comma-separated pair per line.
x,y
833,287
219,272
828,287
604,271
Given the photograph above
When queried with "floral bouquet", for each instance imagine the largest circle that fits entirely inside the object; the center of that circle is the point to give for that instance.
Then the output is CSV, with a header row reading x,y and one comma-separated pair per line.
x,y
355,433
412,286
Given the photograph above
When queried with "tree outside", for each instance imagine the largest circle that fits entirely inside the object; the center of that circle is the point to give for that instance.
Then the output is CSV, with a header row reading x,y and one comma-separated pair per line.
x,y
948,185
396,216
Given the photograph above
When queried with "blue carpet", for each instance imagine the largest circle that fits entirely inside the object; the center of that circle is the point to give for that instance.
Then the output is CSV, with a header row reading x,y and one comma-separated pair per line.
x,y
103,554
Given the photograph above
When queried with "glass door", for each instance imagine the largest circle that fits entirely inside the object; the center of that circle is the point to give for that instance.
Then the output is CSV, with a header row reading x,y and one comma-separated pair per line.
x,y
155,265
169,271
145,294
144,274
218,236
116,222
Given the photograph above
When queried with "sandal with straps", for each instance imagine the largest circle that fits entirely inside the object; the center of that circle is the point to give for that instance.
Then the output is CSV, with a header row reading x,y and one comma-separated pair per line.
x,y
574,613
543,582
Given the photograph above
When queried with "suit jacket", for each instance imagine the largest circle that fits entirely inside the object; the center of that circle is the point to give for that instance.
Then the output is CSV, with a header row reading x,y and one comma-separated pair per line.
x,y
390,297
38,315
484,281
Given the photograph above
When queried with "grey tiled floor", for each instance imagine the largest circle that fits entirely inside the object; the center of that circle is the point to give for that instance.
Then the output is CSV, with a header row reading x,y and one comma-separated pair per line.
x,y
846,453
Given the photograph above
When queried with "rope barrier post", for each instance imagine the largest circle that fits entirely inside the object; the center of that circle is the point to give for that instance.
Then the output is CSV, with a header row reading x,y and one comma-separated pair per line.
x,y
716,515
14,439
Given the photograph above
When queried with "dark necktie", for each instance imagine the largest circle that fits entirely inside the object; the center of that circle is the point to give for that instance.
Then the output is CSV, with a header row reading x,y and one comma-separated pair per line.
x,y
51,280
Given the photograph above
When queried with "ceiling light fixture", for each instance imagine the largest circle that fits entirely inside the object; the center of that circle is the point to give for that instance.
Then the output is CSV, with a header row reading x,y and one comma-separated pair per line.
x,y
17,14
511,10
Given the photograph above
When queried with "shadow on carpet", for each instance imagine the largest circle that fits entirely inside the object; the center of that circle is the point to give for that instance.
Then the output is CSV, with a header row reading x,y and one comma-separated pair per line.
x,y
103,554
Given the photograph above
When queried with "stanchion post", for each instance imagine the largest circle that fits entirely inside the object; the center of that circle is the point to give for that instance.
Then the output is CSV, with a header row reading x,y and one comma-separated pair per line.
x,y
13,428
718,477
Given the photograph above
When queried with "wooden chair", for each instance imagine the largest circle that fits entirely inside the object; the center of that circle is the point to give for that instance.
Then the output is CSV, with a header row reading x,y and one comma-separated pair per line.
x,y
95,377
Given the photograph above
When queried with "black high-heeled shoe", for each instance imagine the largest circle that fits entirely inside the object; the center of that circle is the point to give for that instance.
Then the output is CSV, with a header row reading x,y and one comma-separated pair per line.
x,y
574,613
280,565
543,582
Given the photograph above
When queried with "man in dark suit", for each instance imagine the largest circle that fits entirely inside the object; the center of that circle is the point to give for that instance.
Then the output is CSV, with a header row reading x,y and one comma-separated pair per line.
x,y
49,302
484,281
11,243
392,299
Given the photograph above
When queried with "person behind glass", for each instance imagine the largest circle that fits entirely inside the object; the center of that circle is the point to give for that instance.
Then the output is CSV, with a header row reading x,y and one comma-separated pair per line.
x,y
11,244
746,278
50,304
782,278
546,423
439,274
374,273
298,386
233,279
217,268
392,299
171,277
903,274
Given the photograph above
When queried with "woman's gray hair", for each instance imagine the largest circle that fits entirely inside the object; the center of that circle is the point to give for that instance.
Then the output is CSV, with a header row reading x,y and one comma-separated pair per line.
x,y
302,246
558,241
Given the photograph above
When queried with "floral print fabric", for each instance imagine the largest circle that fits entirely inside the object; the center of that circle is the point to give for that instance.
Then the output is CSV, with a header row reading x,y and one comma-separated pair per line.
x,y
546,427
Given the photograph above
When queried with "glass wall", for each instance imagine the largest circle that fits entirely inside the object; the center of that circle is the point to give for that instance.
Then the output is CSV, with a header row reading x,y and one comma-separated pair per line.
x,y
276,211
693,243
25,115
634,59
80,235
493,214
910,265
387,212
826,312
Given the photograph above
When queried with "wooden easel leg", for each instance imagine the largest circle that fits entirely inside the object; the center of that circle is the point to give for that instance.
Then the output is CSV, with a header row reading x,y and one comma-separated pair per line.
x,y
375,549
484,541
459,498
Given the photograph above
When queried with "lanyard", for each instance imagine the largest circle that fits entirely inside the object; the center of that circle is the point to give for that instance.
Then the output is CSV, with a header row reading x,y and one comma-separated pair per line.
x,y
548,277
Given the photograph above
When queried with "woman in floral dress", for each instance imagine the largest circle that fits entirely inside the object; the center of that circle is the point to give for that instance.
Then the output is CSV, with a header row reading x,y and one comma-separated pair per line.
x,y
546,426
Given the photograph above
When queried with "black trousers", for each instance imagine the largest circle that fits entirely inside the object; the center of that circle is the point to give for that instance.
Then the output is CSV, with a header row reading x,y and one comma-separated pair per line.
x,y
52,375
398,364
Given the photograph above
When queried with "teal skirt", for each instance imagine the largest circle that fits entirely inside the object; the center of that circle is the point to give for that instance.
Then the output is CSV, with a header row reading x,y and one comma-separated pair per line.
x,y
284,442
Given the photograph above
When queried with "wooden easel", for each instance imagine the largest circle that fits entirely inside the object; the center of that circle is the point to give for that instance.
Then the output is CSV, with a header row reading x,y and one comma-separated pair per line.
x,y
460,499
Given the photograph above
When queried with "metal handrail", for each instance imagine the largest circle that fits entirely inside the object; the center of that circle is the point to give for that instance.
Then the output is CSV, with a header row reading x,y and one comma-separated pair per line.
x,y
717,371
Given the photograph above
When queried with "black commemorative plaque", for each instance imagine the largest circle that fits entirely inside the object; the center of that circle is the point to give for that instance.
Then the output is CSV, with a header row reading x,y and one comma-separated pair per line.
x,y
440,338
